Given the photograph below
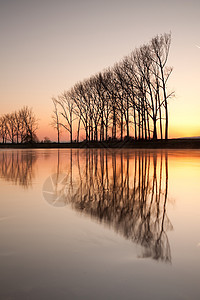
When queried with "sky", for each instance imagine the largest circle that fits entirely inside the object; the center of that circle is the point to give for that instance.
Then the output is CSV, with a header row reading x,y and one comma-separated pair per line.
x,y
49,45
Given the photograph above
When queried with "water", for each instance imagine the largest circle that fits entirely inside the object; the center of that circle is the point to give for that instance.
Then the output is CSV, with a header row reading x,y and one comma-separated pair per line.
x,y
99,224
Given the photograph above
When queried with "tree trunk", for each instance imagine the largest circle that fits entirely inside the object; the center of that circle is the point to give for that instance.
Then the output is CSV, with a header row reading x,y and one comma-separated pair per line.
x,y
127,118
121,125
135,123
154,129
114,124
78,130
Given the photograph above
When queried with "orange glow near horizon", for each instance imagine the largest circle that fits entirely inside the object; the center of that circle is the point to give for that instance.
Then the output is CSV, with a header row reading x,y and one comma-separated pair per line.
x,y
179,130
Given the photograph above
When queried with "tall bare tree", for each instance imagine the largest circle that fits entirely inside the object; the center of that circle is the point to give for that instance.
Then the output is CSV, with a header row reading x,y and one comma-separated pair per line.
x,y
66,112
55,119
129,99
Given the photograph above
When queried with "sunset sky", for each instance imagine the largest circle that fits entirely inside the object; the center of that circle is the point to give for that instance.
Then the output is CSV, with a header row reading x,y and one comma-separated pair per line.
x,y
49,45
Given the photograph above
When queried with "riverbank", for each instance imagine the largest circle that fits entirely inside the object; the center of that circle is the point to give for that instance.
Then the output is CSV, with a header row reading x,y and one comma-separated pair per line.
x,y
159,144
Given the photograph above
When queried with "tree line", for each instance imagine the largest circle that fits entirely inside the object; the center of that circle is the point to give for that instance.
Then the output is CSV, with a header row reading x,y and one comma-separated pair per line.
x,y
18,127
128,100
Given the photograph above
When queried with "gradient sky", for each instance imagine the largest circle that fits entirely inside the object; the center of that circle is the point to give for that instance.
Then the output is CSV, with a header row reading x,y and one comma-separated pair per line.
x,y
49,45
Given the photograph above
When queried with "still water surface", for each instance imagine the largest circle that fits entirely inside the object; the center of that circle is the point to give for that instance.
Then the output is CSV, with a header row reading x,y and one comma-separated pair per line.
x,y
99,224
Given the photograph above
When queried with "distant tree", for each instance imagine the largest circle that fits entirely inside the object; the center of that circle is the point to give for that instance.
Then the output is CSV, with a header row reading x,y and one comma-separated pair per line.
x,y
17,125
10,123
46,140
79,97
55,119
3,129
29,125
66,112
20,126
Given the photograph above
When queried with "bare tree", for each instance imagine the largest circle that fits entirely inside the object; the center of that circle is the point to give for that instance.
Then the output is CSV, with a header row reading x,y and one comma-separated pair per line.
x,y
20,126
66,105
55,119
160,46
29,125
132,94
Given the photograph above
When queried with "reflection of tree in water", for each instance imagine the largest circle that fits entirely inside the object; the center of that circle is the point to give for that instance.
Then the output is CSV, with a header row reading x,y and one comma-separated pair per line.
x,y
17,166
128,191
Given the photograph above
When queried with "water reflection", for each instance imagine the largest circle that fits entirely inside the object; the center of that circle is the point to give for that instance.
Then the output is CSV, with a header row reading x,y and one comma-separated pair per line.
x,y
124,189
127,191
18,167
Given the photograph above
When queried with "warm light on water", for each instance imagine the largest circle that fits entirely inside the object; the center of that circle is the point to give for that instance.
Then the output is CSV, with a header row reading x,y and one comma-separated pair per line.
x,y
100,224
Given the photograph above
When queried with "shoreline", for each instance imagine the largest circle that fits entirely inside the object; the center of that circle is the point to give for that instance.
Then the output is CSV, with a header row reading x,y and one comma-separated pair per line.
x,y
129,144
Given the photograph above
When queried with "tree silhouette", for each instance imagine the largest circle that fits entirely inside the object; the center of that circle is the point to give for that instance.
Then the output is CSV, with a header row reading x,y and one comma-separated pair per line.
x,y
18,127
129,99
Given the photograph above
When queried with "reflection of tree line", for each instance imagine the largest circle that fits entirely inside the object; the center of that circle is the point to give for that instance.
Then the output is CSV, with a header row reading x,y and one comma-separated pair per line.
x,y
126,190
127,193
17,166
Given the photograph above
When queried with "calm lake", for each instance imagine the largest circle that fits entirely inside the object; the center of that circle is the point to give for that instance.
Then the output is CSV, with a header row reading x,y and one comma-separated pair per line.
x,y
99,224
